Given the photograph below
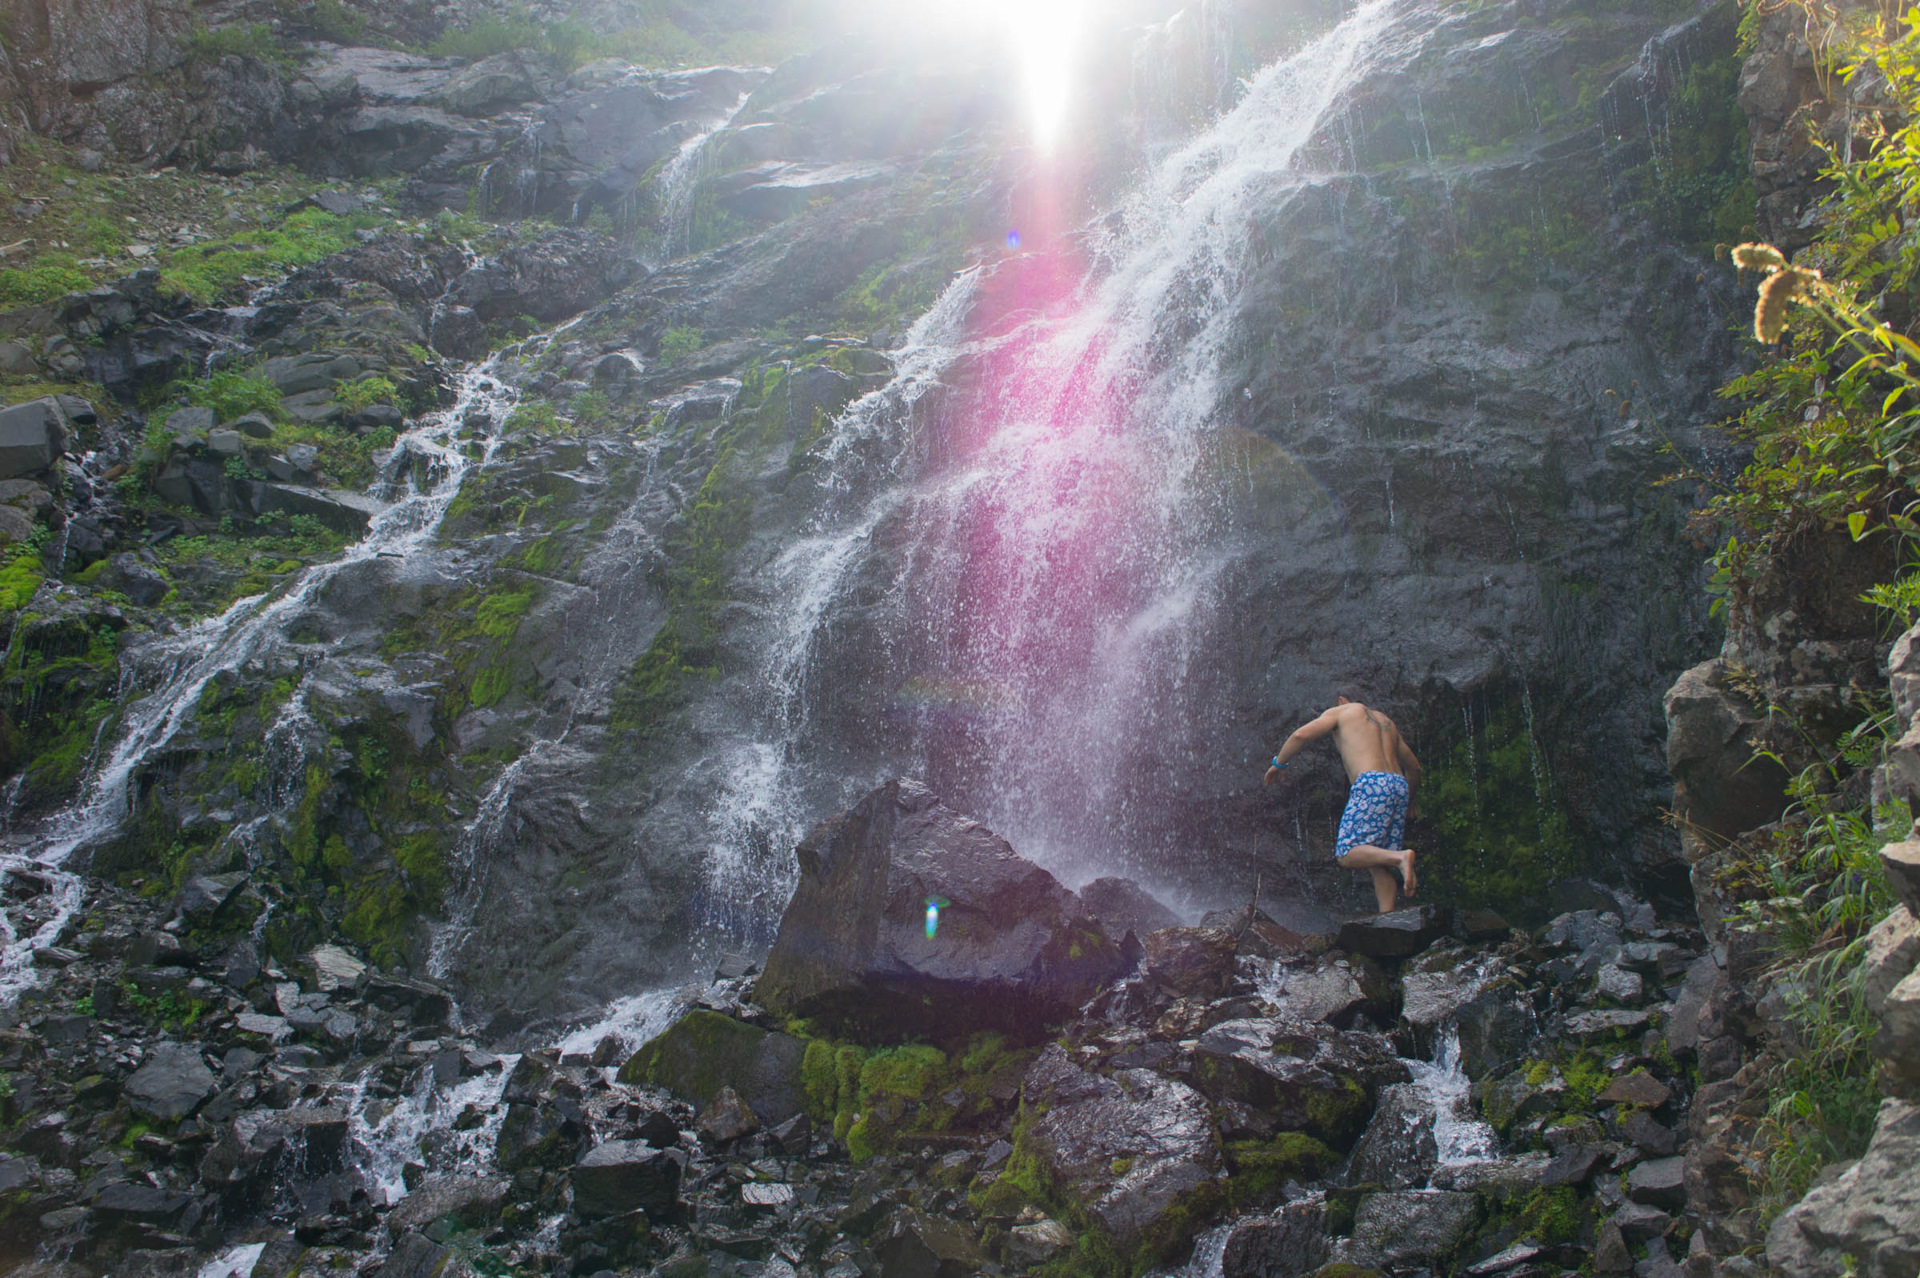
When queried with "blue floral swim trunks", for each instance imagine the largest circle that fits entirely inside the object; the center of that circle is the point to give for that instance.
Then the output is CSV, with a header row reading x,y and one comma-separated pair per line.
x,y
1376,813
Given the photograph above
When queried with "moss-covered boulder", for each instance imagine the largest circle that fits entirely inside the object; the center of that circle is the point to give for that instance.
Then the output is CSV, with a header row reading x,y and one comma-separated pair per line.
x,y
1308,1077
912,920
704,1051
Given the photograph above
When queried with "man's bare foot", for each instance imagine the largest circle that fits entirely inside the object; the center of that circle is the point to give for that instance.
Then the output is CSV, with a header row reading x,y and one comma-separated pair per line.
x,y
1406,873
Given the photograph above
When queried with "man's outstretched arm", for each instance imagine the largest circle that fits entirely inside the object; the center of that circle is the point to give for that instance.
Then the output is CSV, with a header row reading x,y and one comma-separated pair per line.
x,y
1306,732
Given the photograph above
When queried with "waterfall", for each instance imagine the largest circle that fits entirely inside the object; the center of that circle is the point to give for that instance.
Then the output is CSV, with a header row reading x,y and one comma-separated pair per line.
x,y
175,669
1049,543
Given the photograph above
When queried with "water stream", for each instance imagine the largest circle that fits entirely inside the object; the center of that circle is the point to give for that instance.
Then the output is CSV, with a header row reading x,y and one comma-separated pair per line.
x,y
174,669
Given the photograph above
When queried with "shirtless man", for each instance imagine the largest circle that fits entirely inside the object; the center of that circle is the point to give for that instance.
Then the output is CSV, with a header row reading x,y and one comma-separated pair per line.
x,y
1382,773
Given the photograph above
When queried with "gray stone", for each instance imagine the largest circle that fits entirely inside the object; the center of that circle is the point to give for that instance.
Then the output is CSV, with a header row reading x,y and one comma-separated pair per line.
x,y
171,1084
1499,1180
472,1201
1683,1023
226,443
31,436
334,968
1659,1183
1639,1223
1336,990
274,1028
1513,1257
1720,784
1898,1042
191,421
1901,862
16,525
1867,1219
1126,1149
203,896
1030,1245
1397,1151
1618,984
141,1203
1412,1226
1893,951
413,1256
1290,1243
1429,999
301,374
1121,905
16,359
1305,1077
912,1244
1592,1027
727,1118
252,425
854,952
134,579
1495,1027
1396,935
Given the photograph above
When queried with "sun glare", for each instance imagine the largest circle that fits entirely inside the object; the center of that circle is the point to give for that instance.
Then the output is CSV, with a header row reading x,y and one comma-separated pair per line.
x,y
1043,37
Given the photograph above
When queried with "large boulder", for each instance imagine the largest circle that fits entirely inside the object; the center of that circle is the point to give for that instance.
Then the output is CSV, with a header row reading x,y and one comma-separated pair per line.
x,y
1123,906
1411,1227
1290,1243
31,436
1337,989
170,1084
620,1176
1125,1149
1308,1077
1398,1150
1867,1219
859,953
704,1052
1720,785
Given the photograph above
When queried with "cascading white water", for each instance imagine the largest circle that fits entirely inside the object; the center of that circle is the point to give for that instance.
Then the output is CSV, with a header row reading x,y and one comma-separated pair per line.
x,y
674,189
177,668
1459,1136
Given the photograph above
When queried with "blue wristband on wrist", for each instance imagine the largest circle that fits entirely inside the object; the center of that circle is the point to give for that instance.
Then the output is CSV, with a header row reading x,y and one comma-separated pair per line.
x,y
1277,763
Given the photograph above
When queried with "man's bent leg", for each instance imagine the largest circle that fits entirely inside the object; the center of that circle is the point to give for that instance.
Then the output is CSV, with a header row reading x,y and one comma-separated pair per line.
x,y
1365,856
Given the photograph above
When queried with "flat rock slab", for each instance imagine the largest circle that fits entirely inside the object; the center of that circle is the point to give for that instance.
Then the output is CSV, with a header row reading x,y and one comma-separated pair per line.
x,y
861,952
1290,1243
1637,1088
473,1201
1901,861
1308,1078
171,1084
1123,906
1398,935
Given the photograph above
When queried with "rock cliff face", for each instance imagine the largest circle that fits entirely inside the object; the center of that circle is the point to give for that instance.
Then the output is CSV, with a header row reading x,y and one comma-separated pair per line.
x,y
710,574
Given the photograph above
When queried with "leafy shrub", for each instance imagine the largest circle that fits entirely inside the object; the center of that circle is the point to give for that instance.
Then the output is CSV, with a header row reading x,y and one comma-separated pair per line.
x,y
681,341
230,393
366,392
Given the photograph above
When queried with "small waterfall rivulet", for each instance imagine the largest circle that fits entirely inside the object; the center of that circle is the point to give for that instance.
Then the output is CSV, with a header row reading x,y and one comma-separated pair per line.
x,y
165,678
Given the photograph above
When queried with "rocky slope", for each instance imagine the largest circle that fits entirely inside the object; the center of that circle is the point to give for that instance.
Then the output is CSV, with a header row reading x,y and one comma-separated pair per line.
x,y
1237,1082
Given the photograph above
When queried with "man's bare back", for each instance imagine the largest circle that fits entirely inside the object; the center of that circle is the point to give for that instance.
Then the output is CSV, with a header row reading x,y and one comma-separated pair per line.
x,y
1377,761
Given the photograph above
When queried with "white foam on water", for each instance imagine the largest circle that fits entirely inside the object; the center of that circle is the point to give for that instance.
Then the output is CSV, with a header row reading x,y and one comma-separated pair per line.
x,y
1461,1138
234,1262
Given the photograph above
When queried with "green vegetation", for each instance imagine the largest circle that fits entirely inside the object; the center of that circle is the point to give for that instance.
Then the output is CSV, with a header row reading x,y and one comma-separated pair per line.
x,y
365,392
1500,828
50,277
253,40
1831,414
656,41
680,342
212,271
230,393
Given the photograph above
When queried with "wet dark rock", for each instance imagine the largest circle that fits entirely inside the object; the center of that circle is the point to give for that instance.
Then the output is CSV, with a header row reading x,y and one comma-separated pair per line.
x,y
1125,1149
1121,905
414,1256
31,436
1496,1027
1396,935
141,1204
1713,731
471,1202
203,896
912,1244
1397,1151
727,1118
1290,1243
1659,1183
1016,952
1189,962
703,1052
1310,1078
1337,989
171,1083
623,1176
1412,1226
